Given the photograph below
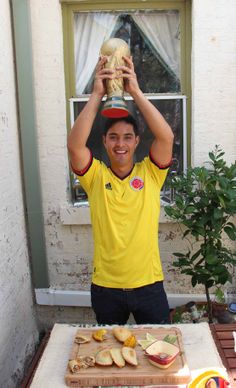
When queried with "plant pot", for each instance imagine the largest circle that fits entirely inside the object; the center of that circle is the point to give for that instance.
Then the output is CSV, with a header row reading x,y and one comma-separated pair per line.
x,y
199,313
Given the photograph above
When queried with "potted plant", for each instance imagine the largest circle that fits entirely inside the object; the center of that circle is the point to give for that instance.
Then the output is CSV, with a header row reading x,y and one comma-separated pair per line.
x,y
205,202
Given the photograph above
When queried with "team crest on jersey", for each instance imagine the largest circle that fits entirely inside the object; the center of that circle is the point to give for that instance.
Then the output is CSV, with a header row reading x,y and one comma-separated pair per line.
x,y
136,183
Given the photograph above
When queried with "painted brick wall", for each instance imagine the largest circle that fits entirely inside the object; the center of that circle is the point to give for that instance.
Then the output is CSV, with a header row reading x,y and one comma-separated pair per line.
x,y
69,247
213,78
19,333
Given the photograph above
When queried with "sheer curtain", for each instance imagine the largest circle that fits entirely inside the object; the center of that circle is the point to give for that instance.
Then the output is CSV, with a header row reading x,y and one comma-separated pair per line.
x,y
90,31
161,29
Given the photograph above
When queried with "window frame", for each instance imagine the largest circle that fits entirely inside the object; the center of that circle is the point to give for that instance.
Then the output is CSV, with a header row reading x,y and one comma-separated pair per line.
x,y
70,7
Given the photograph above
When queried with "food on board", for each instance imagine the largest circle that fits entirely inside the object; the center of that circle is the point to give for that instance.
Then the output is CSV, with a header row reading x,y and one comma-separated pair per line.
x,y
150,337
129,355
144,343
117,357
130,341
73,366
100,335
81,362
104,358
81,339
121,333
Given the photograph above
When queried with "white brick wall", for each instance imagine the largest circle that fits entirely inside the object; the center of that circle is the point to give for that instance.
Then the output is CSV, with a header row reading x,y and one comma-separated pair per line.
x,y
18,328
213,78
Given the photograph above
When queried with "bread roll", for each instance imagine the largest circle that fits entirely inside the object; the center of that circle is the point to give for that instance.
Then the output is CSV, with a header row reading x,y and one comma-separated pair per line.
x,y
103,357
117,357
121,333
129,355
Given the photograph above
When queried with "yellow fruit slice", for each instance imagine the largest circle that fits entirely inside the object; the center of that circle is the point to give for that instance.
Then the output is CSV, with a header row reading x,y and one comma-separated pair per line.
x,y
130,341
99,335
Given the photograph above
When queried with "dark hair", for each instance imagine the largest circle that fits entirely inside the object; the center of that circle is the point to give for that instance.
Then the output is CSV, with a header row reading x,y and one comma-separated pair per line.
x,y
128,119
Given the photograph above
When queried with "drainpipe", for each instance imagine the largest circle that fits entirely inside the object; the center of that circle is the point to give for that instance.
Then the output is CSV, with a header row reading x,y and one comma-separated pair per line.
x,y
28,139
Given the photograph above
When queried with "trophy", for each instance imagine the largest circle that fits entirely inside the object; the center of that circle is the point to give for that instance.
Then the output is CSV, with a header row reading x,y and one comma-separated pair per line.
x,y
115,106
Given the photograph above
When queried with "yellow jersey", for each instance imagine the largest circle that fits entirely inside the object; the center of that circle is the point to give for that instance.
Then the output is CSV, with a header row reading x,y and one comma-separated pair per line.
x,y
124,215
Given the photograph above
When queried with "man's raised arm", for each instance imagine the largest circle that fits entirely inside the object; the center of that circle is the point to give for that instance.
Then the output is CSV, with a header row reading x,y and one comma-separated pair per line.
x,y
161,148
77,139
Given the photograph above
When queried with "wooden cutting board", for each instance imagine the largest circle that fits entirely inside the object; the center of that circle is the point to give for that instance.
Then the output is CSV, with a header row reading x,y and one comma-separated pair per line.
x,y
143,374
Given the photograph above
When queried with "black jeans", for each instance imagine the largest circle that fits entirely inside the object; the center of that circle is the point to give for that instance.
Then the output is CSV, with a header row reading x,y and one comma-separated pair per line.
x,y
148,304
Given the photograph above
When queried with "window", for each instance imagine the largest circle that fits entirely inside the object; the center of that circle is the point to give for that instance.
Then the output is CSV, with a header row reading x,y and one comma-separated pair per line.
x,y
157,38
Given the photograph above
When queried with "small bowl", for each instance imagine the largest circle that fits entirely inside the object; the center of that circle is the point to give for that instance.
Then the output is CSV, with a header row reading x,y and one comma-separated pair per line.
x,y
162,354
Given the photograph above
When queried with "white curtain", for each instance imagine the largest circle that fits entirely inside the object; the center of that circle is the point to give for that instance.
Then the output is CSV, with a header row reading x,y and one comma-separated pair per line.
x,y
90,31
162,30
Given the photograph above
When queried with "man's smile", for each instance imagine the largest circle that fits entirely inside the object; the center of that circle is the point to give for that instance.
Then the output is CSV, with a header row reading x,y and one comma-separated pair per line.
x,y
120,143
121,152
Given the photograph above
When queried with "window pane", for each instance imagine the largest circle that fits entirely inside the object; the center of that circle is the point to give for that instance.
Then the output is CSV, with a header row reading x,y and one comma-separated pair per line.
x,y
153,37
171,109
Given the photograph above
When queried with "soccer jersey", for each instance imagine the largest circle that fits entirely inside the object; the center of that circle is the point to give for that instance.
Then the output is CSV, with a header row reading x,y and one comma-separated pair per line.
x,y
124,216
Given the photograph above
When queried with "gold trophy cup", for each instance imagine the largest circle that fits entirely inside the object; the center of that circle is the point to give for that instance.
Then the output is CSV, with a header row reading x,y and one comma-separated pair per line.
x,y
115,105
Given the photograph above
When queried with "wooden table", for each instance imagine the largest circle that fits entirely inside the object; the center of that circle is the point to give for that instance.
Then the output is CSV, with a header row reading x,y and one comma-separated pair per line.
x,y
223,337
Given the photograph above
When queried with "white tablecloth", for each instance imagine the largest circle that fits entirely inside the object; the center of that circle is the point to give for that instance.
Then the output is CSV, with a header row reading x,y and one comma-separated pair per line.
x,y
200,349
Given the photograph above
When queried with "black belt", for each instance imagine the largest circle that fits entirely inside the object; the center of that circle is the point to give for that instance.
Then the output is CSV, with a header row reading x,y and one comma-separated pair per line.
x,y
129,289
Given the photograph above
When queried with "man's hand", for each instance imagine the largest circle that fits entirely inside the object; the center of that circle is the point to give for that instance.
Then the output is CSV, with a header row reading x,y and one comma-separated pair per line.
x,y
131,85
77,139
161,148
102,74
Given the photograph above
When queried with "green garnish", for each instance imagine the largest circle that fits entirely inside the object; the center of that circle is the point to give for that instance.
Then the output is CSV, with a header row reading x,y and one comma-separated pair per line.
x,y
170,338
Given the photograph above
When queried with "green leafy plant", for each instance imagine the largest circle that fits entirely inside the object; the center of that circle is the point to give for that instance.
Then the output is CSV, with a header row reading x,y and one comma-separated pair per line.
x,y
205,203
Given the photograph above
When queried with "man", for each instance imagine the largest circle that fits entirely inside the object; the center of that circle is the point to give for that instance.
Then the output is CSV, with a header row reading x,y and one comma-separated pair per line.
x,y
124,204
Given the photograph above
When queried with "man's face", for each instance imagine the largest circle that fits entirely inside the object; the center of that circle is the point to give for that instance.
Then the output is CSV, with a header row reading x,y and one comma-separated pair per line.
x,y
120,143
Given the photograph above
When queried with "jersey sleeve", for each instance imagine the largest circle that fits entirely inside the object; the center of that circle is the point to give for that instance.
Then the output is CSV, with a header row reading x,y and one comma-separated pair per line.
x,y
87,175
158,172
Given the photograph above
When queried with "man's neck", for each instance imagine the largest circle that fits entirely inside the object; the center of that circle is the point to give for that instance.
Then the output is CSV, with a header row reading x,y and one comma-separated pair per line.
x,y
122,171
